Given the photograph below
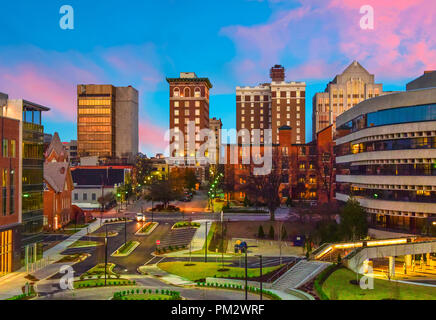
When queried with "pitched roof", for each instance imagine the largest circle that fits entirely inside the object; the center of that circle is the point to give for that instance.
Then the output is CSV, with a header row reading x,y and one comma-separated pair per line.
x,y
56,146
55,174
94,176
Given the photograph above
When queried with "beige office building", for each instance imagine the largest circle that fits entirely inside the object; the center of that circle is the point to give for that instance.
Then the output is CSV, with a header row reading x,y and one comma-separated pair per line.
x,y
346,90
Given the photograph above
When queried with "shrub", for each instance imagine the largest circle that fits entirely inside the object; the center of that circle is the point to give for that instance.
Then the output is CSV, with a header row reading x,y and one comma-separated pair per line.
x,y
271,232
261,233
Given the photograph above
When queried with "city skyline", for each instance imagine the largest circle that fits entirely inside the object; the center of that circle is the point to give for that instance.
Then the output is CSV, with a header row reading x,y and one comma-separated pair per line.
x,y
45,63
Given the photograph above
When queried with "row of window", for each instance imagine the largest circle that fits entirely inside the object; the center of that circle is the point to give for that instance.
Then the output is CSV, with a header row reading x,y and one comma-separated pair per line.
x,y
394,144
390,195
186,92
391,116
7,183
186,104
85,196
9,149
389,170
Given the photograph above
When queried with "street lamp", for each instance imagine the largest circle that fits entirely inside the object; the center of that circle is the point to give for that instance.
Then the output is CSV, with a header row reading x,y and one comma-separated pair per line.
x,y
246,275
205,245
260,278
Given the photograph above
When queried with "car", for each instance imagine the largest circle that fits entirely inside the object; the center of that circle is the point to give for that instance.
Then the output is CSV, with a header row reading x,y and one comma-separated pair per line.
x,y
140,217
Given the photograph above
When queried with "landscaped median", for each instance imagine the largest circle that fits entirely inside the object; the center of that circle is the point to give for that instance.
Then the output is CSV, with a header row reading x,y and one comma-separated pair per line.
x,y
185,224
147,229
197,271
126,249
147,294
232,286
84,244
99,282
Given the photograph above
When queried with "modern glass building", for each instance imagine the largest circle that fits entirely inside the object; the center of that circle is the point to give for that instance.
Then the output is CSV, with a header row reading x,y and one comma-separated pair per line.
x,y
386,157
31,142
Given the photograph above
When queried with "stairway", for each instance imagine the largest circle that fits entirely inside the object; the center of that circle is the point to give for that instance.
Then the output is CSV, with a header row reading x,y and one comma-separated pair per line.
x,y
299,274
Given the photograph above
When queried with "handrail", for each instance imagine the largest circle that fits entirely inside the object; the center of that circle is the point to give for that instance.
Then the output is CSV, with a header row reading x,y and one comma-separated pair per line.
x,y
282,271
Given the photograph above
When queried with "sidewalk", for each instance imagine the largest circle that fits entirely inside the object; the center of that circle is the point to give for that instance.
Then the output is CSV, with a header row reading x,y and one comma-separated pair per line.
x,y
164,276
11,284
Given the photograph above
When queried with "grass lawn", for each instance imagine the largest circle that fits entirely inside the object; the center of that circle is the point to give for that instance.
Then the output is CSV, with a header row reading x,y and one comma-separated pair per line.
x,y
146,297
338,287
99,269
210,232
73,258
147,227
100,283
186,224
126,247
84,244
201,270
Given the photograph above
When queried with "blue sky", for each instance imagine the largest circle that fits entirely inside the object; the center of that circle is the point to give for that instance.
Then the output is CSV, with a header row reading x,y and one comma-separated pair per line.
x,y
233,42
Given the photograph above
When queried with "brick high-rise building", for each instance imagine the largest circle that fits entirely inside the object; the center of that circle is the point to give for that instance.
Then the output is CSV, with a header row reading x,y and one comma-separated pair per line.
x,y
272,105
346,90
107,122
189,102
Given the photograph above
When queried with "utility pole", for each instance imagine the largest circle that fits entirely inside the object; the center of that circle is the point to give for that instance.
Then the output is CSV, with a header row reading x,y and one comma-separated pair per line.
x,y
246,275
260,257
125,229
205,245
105,257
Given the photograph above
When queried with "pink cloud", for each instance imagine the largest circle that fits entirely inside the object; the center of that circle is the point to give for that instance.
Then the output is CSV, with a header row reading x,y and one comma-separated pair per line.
x,y
402,44
151,137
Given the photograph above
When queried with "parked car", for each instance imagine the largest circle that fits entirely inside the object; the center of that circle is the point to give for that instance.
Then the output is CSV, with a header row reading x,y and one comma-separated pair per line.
x,y
140,217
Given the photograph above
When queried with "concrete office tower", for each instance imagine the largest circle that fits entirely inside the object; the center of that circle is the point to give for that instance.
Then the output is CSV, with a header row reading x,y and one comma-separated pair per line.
x,y
107,122
346,90
272,105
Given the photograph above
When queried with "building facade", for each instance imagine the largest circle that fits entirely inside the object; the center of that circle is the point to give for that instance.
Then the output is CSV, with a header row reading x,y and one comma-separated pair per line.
x,y
216,126
93,182
347,89
30,175
10,214
58,185
306,171
189,114
272,105
386,156
107,122
71,148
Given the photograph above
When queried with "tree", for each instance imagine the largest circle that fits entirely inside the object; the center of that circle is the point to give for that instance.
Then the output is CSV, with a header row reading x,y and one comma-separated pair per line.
x,y
353,221
164,191
142,169
284,233
261,233
271,232
228,184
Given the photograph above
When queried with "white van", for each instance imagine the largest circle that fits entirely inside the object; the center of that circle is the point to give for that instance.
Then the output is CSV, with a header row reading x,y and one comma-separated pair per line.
x,y
140,217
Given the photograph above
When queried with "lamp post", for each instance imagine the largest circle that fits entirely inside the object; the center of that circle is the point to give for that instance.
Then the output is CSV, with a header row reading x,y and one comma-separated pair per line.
x,y
125,228
260,279
205,245
105,257
246,275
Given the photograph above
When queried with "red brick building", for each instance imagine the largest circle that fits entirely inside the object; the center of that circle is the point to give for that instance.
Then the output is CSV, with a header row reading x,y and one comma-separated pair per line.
x,y
189,103
307,170
58,185
10,215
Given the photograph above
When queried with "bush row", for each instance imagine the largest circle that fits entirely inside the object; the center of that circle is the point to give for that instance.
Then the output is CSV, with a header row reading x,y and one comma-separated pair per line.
x,y
123,295
273,296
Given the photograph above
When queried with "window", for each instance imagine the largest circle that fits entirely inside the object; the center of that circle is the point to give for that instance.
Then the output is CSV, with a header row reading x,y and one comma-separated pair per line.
x,y
197,92
197,104
5,148
176,112
176,104
13,149
85,196
176,92
94,197
187,92
186,104
197,112
76,196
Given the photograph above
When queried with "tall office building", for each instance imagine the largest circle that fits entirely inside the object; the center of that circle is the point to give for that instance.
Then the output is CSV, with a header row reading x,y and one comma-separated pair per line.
x,y
107,122
346,90
29,146
189,102
272,105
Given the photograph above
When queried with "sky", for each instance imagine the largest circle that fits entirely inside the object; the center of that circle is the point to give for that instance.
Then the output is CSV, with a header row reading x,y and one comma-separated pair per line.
x,y
232,42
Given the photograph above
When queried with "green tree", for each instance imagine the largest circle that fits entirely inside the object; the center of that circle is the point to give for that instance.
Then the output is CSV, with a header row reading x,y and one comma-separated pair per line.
x,y
261,233
271,232
353,221
164,191
284,233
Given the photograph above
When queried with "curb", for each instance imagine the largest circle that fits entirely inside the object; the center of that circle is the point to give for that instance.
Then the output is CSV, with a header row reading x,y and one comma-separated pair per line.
x,y
114,254
138,233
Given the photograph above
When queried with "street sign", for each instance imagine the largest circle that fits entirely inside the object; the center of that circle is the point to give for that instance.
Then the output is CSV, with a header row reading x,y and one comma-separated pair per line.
x,y
158,242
